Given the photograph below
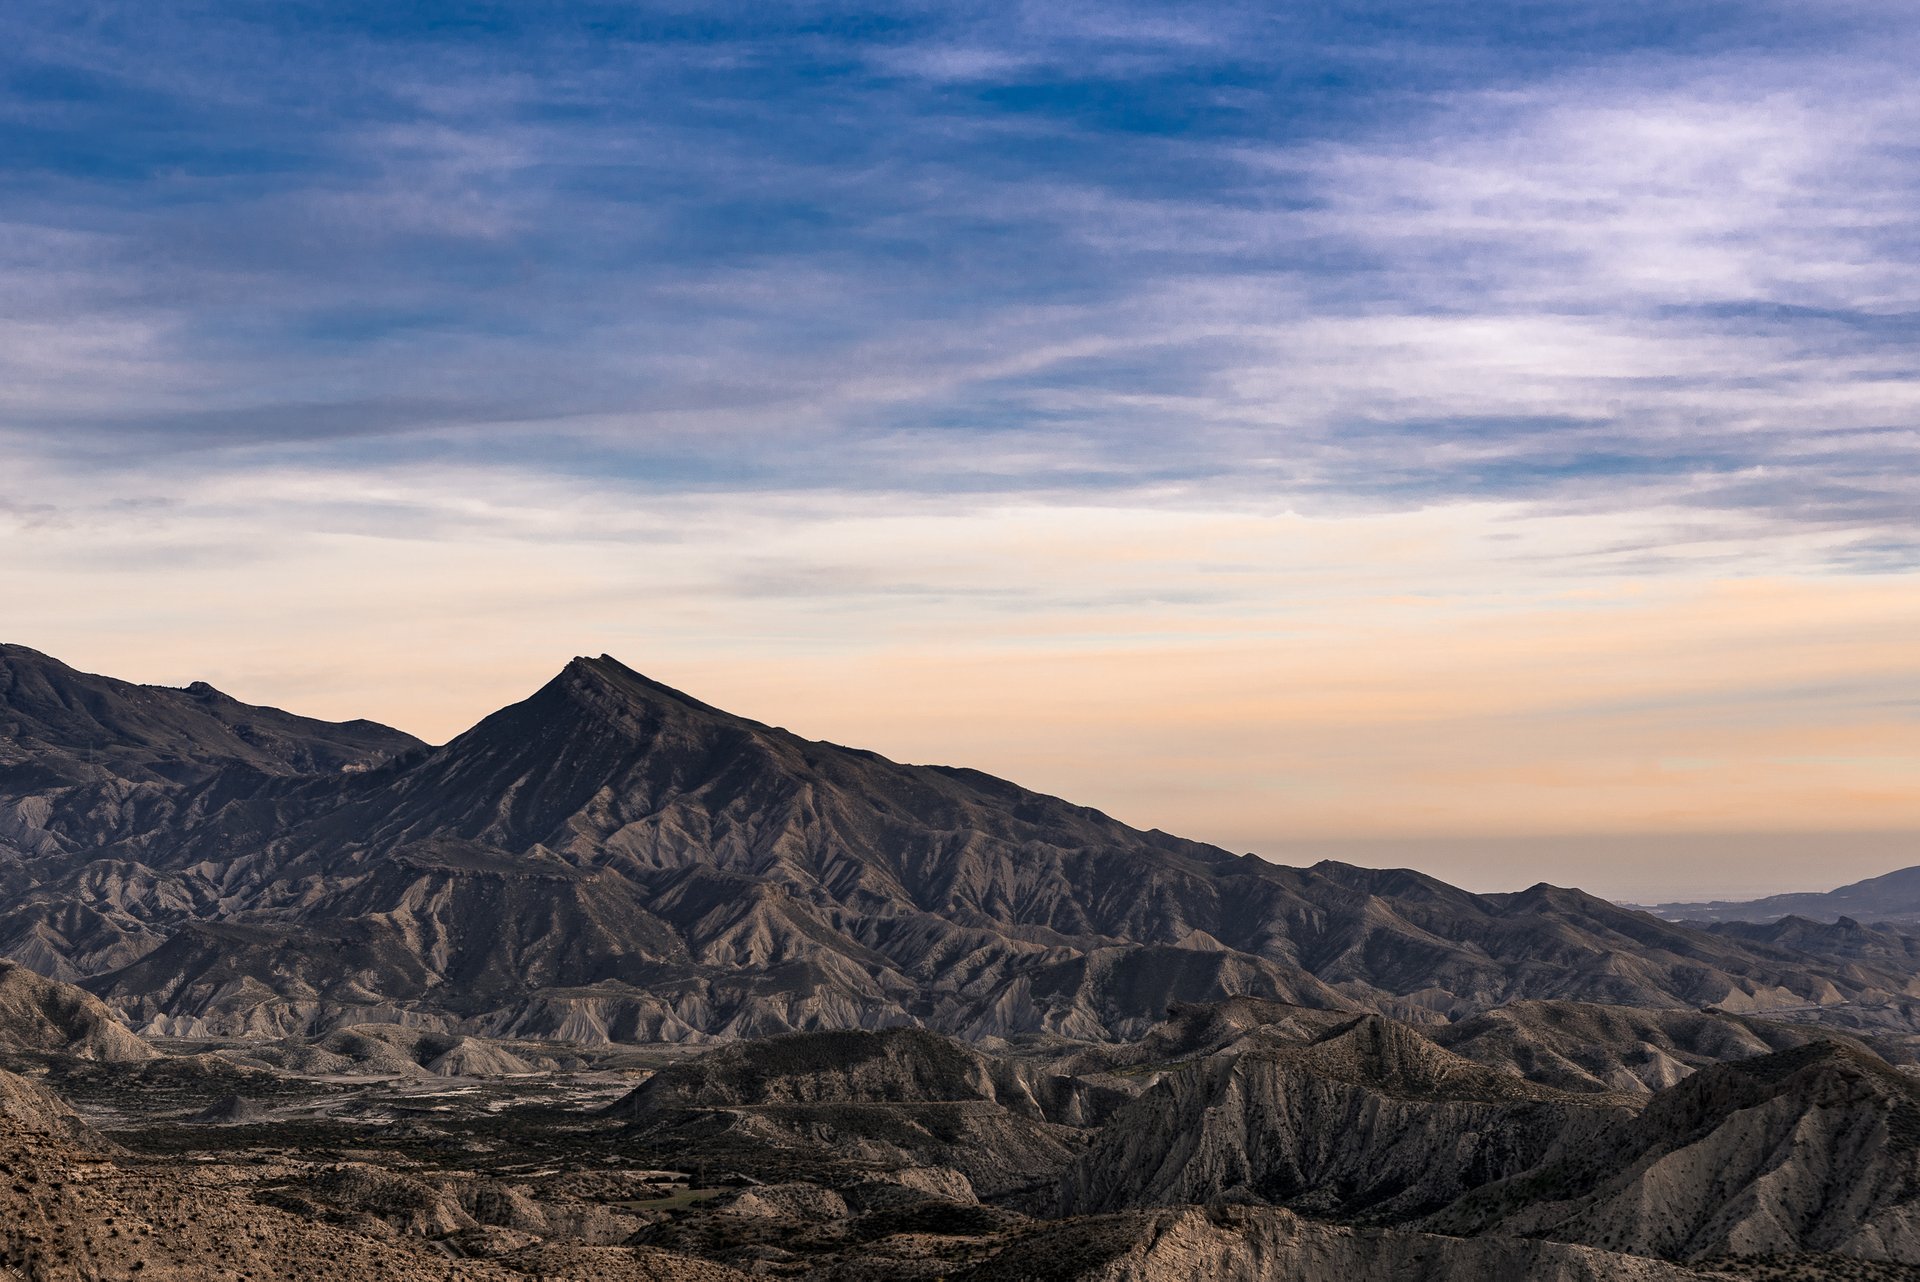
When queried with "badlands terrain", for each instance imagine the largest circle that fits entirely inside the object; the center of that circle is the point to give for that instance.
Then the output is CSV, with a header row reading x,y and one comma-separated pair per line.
x,y
618,985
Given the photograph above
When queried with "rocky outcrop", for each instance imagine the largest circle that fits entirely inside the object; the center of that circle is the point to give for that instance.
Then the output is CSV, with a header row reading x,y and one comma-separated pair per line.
x,y
396,1049
900,1065
898,1100
43,1016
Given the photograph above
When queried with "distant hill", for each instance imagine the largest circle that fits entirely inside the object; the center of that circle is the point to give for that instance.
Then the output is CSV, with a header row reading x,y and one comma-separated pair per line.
x,y
1892,897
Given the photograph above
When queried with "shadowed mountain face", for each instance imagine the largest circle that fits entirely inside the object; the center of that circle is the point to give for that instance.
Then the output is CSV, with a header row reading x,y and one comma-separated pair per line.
x,y
59,725
613,860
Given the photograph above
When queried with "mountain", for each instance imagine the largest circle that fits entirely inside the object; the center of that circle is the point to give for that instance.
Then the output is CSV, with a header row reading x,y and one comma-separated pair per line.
x,y
60,725
1893,897
613,860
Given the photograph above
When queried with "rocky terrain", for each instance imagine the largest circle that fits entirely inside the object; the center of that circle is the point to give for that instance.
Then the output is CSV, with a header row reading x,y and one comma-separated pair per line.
x,y
613,861
39,1014
1243,1140
618,985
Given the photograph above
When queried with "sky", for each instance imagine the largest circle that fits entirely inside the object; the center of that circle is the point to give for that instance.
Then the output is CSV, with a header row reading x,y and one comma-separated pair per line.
x,y
1478,437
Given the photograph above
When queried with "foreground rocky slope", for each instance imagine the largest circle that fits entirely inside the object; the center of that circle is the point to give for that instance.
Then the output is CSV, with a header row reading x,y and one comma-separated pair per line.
x,y
611,860
71,1211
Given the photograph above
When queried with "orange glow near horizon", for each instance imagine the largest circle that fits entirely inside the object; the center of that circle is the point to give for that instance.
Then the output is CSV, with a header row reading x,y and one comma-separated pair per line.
x,y
1464,671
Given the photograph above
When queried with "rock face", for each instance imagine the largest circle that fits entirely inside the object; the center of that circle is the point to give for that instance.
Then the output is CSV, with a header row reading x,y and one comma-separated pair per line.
x,y
612,860
42,1015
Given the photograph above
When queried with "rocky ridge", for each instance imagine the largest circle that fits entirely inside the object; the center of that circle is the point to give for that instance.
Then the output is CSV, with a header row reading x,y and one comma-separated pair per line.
x,y
613,861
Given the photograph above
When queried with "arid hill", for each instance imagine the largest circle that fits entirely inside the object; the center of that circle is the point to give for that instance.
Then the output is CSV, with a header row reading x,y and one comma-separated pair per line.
x,y
43,1015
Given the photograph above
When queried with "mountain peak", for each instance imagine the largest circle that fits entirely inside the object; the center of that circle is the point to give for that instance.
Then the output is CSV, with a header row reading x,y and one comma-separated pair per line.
x,y
607,677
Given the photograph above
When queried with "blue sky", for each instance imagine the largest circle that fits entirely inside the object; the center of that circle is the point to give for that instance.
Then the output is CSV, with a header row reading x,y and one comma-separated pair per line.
x,y
1058,246
1629,290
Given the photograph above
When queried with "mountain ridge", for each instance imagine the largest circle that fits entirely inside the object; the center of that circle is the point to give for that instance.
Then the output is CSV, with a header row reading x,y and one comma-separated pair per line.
x,y
615,858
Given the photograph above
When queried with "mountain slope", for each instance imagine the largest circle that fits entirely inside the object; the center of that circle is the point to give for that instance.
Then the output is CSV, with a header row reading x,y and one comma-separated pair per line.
x,y
61,725
1575,1046
1809,1150
610,858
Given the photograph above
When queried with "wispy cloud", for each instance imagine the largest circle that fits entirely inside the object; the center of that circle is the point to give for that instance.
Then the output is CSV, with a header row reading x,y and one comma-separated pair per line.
x,y
1115,246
